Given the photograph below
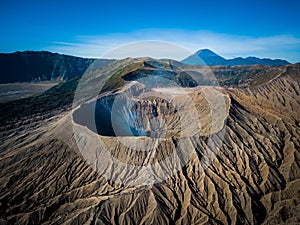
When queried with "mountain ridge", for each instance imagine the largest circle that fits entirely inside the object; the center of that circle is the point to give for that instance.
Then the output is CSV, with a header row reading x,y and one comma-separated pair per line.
x,y
41,65
45,65
208,57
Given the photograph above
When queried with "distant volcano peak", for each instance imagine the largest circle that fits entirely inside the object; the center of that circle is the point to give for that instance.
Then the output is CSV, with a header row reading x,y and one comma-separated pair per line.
x,y
207,57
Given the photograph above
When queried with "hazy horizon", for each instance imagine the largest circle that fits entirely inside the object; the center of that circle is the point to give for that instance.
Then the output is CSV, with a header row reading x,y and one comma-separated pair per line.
x,y
111,55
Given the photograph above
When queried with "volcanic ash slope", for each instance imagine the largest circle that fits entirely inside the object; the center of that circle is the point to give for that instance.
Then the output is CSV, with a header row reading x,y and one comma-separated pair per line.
x,y
254,177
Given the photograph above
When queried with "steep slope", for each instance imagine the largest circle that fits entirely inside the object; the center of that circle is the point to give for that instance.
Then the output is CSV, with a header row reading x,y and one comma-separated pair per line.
x,y
254,178
41,66
207,57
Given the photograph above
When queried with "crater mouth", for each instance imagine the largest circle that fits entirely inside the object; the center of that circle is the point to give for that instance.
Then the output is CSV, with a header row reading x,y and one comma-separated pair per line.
x,y
120,116
158,113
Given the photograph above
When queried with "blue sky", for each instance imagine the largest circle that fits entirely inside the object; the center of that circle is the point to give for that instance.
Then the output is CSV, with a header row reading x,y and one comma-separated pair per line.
x,y
93,28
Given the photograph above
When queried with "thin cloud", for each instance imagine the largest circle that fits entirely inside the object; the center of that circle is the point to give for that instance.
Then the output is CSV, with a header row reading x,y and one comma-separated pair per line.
x,y
277,46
